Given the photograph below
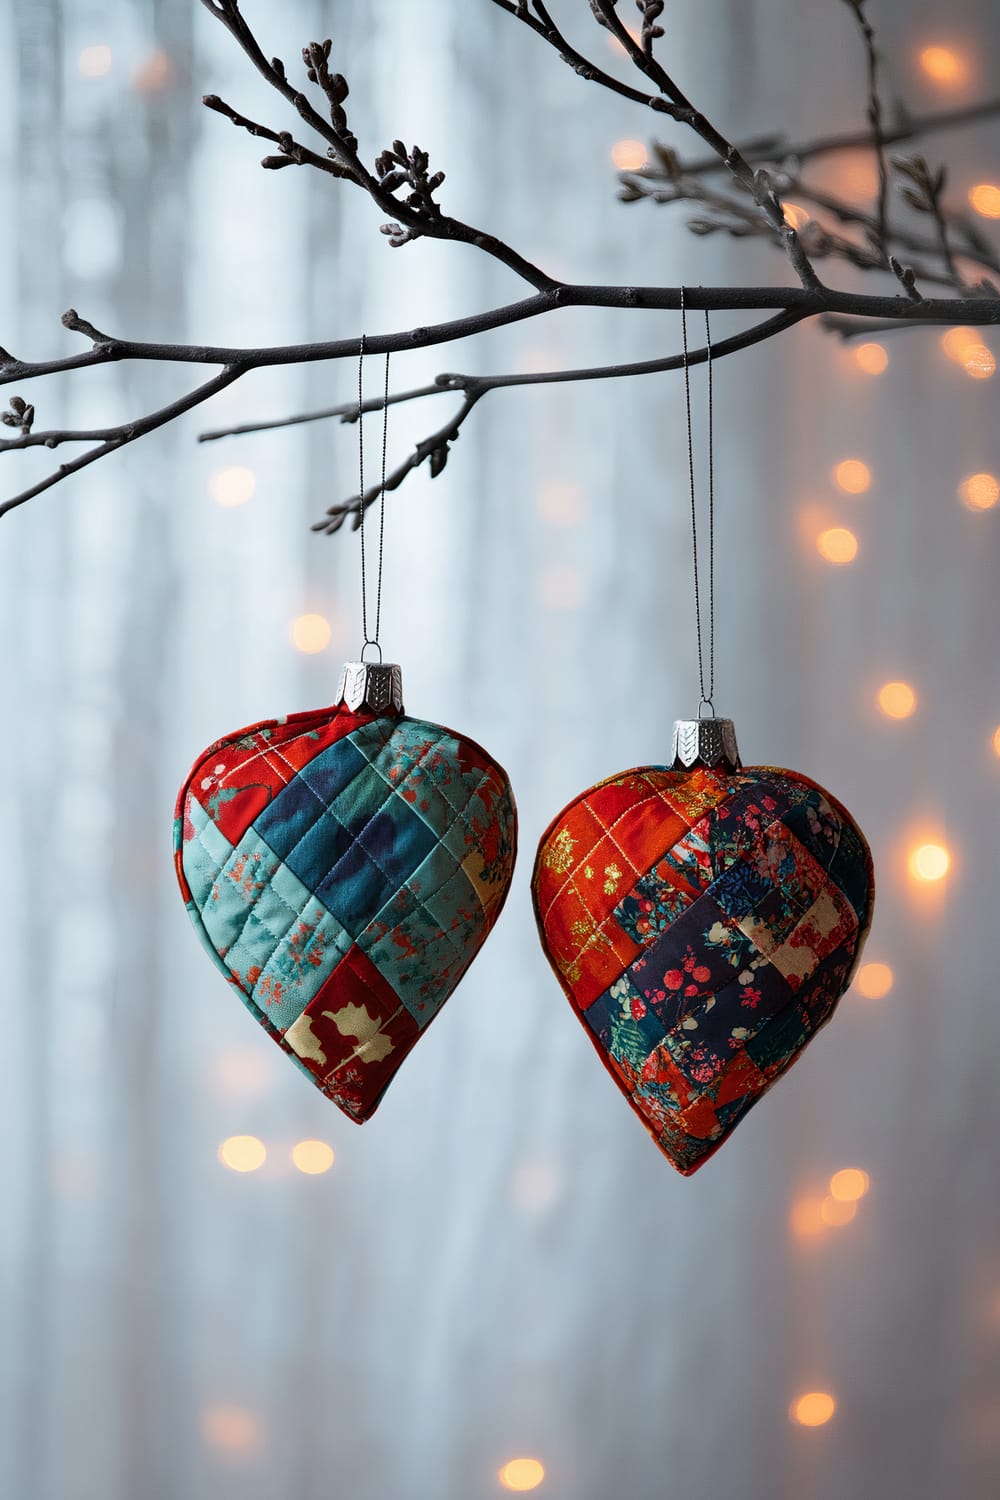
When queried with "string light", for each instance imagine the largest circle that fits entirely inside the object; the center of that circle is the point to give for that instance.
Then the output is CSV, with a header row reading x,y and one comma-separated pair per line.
x,y
242,1153
852,476
996,742
232,486
95,62
980,491
311,633
229,1427
561,587
813,1409
806,1218
243,1072
979,362
795,215
154,74
849,1184
957,342
837,1213
872,358
837,545
561,503
929,862
312,1157
522,1474
874,981
942,65
628,155
897,700
985,199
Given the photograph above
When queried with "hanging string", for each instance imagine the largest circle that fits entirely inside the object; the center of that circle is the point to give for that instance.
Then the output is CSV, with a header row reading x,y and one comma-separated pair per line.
x,y
371,640
707,689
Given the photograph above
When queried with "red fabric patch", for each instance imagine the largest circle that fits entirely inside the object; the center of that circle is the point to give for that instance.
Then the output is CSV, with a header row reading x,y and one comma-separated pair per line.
x,y
353,1035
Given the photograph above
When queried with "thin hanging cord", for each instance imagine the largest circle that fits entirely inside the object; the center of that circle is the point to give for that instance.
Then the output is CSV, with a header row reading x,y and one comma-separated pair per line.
x,y
371,640
706,694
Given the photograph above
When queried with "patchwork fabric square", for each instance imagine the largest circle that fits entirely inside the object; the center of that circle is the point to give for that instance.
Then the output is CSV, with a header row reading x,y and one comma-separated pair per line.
x,y
343,869
734,928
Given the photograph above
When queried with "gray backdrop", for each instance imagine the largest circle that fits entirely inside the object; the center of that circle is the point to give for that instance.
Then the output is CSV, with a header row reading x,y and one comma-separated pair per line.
x,y
500,1264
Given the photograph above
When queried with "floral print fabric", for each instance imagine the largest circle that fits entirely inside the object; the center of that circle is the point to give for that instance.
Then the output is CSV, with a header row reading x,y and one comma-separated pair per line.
x,y
704,925
343,871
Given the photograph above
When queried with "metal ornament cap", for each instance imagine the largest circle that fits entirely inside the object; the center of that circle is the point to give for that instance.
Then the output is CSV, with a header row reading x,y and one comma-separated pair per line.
x,y
710,743
373,687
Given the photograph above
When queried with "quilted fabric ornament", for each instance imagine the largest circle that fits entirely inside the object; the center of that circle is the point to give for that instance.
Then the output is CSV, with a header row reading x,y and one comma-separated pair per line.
x,y
343,868
704,920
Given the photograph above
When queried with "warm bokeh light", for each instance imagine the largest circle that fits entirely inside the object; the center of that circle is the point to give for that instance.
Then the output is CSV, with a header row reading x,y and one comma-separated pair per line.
x,y
629,155
897,699
985,199
852,476
837,545
534,1186
837,1213
805,1220
943,65
95,62
957,342
980,491
796,215
979,362
522,1474
232,486
242,1072
561,587
242,1153
996,741
561,503
849,1184
813,1410
871,358
311,633
874,981
929,862
312,1157
154,74
229,1427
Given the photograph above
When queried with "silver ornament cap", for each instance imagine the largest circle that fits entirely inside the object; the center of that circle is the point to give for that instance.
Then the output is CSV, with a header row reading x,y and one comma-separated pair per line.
x,y
710,743
371,686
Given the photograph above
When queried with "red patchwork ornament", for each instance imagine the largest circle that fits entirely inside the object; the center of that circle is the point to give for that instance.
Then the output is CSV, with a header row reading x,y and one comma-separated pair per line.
x,y
343,868
704,920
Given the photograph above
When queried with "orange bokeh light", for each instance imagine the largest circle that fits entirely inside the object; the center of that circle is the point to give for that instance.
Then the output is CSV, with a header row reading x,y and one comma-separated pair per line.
x,y
849,1184
897,700
813,1409
805,1221
522,1474
311,633
837,545
871,358
985,199
835,1213
943,65
629,155
874,981
929,862
242,1153
852,476
980,491
796,215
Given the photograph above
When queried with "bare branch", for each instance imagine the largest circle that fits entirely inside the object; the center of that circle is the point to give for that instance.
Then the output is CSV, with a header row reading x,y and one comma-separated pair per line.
x,y
118,437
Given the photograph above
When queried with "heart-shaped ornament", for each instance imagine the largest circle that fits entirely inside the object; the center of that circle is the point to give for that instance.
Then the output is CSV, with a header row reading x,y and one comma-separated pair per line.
x,y
704,920
343,868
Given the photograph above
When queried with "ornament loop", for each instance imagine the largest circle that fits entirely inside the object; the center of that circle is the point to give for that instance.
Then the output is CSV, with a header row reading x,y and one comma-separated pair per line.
x,y
377,647
706,703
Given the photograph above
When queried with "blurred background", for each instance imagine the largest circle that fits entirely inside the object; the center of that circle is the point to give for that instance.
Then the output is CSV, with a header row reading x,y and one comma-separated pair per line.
x,y
212,1283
